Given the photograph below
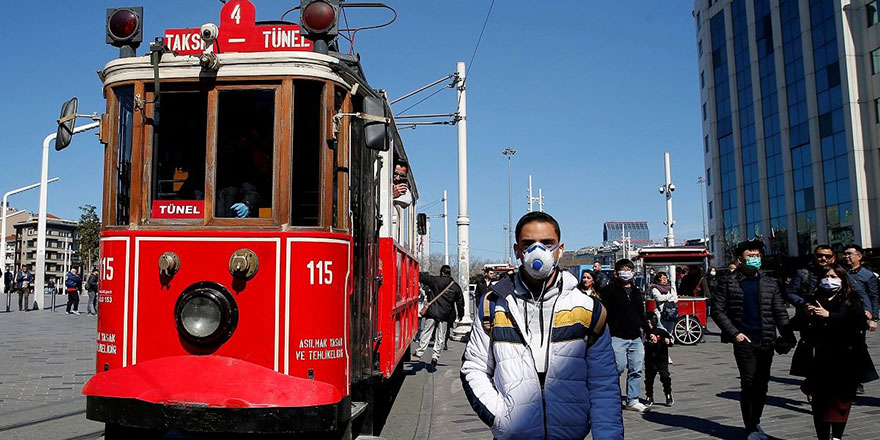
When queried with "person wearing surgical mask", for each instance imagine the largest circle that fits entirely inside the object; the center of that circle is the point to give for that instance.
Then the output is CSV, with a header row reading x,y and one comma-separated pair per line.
x,y
748,309
832,354
522,357
627,322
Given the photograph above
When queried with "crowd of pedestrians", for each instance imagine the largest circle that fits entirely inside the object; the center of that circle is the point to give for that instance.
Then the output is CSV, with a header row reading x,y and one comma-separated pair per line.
x,y
21,282
547,351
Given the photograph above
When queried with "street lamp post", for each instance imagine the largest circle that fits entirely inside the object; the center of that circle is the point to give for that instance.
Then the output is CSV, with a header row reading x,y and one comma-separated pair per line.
x,y
40,277
509,152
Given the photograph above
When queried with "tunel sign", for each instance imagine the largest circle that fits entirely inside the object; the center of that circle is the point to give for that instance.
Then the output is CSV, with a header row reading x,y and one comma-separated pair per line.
x,y
239,33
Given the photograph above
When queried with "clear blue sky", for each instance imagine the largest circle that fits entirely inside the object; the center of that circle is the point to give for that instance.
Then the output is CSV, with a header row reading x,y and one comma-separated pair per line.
x,y
590,94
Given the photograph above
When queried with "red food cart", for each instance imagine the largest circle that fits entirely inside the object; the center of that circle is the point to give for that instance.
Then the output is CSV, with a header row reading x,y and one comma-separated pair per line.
x,y
691,323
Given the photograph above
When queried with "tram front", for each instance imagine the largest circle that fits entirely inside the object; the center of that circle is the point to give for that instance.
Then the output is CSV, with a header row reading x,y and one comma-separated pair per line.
x,y
226,251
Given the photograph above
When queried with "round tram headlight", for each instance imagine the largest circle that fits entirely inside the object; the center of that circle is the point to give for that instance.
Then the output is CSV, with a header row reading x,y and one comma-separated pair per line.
x,y
201,316
206,314
123,24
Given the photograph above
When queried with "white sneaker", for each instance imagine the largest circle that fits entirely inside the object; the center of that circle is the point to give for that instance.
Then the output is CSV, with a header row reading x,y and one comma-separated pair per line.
x,y
636,406
75,312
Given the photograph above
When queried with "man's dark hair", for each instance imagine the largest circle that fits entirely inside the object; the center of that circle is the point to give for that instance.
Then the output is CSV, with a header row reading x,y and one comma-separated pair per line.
x,y
597,261
624,263
750,245
445,270
856,247
823,247
537,216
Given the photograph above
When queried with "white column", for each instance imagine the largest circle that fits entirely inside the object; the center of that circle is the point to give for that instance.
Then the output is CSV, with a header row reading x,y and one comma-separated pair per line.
x,y
40,276
445,230
463,221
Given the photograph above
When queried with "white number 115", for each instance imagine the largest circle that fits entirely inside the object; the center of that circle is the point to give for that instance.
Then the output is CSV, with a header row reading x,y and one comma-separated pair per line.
x,y
321,271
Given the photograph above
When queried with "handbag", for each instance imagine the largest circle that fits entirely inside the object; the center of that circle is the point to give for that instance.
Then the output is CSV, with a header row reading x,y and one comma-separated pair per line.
x,y
802,358
424,310
669,311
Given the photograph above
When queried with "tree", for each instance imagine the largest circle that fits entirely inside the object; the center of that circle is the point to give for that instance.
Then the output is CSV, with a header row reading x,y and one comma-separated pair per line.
x,y
88,233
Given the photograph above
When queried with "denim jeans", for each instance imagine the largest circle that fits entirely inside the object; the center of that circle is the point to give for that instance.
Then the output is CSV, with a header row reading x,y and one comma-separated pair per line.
x,y
629,354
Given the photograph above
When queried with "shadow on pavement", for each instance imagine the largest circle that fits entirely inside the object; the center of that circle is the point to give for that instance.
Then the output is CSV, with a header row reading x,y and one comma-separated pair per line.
x,y
867,401
787,380
696,424
779,402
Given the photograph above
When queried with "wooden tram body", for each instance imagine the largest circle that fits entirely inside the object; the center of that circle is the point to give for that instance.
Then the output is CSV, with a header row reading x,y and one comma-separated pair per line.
x,y
307,305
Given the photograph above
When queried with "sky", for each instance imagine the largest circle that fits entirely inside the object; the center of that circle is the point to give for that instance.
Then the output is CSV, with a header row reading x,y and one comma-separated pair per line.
x,y
590,95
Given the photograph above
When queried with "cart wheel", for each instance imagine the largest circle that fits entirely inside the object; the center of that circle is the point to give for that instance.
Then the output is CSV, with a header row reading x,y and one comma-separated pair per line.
x,y
688,330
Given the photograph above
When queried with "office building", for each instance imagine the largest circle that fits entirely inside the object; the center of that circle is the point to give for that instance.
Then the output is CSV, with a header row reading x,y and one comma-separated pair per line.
x,y
789,94
637,231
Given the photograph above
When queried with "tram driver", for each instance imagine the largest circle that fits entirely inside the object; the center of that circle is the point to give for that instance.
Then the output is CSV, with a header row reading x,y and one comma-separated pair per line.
x,y
244,175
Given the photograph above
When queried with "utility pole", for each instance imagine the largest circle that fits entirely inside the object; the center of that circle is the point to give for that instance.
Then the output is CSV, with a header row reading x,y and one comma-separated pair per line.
x,y
539,199
667,188
40,277
509,152
463,221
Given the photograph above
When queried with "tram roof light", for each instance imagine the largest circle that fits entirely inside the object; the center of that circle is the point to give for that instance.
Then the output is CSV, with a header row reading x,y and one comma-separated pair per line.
x,y
319,20
125,29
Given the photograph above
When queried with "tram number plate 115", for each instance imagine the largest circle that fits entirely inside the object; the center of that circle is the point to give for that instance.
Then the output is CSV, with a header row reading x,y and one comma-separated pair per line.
x,y
320,271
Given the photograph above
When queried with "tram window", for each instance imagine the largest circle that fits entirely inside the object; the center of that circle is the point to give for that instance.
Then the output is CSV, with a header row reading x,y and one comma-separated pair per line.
x,y
306,175
179,146
125,100
245,147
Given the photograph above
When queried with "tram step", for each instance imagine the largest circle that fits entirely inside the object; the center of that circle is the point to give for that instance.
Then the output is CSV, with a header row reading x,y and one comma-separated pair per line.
x,y
358,408
369,437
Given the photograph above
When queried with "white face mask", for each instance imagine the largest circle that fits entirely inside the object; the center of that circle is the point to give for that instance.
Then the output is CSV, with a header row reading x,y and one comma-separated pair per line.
x,y
538,261
830,284
625,275
712,272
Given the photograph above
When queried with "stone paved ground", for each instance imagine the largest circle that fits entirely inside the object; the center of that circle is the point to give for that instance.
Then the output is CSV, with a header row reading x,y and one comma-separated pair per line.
x,y
47,357
705,383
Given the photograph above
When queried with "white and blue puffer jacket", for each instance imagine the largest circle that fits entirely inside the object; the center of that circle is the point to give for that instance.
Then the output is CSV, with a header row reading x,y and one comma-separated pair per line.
x,y
581,390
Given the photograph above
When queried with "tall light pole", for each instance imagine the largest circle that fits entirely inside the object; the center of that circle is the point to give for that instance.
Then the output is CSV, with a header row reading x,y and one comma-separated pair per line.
x,y
667,188
463,222
701,181
509,152
40,277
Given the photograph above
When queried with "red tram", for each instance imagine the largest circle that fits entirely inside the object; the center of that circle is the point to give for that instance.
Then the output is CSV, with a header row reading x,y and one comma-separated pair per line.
x,y
256,274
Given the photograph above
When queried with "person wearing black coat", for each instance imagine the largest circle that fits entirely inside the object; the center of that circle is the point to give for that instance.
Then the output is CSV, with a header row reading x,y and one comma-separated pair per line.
x,y
832,354
748,309
441,312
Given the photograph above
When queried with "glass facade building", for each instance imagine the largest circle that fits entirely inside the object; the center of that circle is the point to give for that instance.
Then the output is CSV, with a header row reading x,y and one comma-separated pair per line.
x,y
638,231
789,94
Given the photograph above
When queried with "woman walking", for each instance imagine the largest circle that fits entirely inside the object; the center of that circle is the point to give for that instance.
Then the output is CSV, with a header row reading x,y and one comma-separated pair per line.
x,y
588,284
831,353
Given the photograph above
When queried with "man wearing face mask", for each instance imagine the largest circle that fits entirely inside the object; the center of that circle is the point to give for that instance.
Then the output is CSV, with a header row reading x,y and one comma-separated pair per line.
x,y
748,309
541,364
627,322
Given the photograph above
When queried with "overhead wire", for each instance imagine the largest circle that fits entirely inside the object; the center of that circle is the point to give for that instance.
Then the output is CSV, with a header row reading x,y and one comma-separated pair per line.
x,y
476,47
470,63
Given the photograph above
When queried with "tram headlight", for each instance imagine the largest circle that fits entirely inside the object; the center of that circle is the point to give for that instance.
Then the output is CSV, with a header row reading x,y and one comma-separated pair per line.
x,y
206,314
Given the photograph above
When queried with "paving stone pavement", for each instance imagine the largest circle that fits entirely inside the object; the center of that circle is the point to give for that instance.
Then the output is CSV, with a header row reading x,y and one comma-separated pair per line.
x,y
706,387
46,359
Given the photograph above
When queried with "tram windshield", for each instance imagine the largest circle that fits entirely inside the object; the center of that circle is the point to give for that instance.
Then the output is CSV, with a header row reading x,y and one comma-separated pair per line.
x,y
179,128
245,141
